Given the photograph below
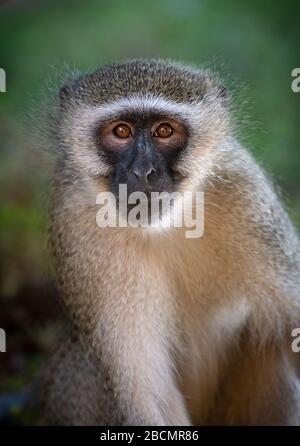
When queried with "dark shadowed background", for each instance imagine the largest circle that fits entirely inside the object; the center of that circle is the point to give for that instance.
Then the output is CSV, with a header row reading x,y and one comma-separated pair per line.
x,y
254,47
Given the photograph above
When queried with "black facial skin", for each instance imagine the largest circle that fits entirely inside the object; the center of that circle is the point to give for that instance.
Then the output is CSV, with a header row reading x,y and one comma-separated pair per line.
x,y
144,164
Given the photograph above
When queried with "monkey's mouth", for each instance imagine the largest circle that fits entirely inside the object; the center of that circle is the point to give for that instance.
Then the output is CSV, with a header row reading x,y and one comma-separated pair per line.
x,y
139,204
142,209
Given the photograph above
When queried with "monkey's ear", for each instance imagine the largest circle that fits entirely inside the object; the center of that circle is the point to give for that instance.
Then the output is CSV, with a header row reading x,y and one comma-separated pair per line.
x,y
68,90
222,94
65,93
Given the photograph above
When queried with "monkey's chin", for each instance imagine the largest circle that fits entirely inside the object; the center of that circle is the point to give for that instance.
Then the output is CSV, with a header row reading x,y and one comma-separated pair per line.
x,y
147,220
158,222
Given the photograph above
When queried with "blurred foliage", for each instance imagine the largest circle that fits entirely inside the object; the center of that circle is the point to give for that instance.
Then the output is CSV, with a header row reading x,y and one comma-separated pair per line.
x,y
254,46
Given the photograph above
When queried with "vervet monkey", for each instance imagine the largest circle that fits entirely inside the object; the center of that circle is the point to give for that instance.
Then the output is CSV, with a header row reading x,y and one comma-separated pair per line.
x,y
169,330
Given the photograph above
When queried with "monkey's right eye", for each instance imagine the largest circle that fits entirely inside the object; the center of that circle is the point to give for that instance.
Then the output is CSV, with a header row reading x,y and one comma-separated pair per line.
x,y
115,135
122,131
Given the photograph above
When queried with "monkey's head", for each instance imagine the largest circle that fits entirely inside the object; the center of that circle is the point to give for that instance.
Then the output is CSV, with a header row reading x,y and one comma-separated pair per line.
x,y
152,125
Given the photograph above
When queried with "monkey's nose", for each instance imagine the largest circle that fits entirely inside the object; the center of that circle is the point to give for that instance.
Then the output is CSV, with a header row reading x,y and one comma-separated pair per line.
x,y
142,174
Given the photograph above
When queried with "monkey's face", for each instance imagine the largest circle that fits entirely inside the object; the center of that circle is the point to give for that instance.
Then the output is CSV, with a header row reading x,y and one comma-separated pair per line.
x,y
142,151
150,125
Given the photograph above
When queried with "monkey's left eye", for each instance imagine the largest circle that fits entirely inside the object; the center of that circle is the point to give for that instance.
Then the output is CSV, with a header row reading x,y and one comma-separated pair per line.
x,y
122,131
164,130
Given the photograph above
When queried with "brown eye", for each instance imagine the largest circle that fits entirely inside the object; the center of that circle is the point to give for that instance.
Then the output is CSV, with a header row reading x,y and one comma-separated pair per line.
x,y
122,131
163,131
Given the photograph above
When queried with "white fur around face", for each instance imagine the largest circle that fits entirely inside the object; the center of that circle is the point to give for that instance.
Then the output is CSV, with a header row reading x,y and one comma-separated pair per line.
x,y
137,103
206,120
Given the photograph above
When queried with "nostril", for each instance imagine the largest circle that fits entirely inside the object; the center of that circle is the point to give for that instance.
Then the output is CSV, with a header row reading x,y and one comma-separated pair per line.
x,y
151,171
137,173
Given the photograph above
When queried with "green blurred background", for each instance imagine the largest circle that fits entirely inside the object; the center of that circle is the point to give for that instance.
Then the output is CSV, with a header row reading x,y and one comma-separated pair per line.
x,y
254,47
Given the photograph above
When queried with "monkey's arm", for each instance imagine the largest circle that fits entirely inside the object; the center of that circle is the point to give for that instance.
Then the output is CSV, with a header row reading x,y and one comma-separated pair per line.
x,y
268,395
